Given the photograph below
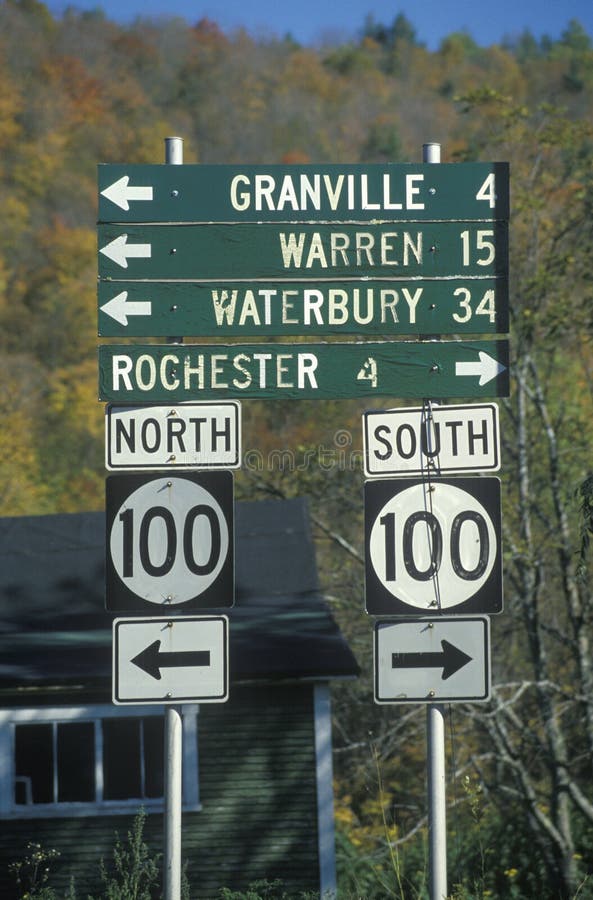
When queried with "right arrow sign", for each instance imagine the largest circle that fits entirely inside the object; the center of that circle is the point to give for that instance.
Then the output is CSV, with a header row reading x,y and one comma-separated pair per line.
x,y
432,660
449,659
485,368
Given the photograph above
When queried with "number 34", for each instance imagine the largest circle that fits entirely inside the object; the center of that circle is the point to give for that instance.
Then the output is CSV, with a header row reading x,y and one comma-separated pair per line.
x,y
485,307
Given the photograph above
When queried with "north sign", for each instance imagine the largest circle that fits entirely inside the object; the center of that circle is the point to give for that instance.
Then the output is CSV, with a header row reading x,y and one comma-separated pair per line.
x,y
169,542
437,440
178,659
433,660
225,193
175,436
244,309
303,251
433,545
158,373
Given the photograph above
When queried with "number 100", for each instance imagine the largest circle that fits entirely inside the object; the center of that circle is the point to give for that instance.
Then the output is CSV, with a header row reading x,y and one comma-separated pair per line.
x,y
434,535
164,566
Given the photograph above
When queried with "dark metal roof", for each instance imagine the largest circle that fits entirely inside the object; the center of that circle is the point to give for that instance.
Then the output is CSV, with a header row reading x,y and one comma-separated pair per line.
x,y
55,631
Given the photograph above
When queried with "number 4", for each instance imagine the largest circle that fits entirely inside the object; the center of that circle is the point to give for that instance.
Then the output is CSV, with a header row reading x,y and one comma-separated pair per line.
x,y
368,372
487,191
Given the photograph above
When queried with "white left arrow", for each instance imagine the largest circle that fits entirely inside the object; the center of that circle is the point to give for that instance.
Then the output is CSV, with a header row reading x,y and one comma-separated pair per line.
x,y
120,192
486,367
120,251
119,308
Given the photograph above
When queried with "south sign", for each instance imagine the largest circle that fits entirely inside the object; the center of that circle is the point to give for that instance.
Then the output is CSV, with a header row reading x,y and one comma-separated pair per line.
x,y
431,440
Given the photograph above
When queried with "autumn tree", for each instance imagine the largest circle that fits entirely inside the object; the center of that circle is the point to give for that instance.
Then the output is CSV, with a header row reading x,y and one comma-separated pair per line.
x,y
79,90
536,759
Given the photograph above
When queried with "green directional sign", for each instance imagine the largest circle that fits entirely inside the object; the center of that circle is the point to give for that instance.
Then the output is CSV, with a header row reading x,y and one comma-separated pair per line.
x,y
151,373
303,251
382,192
227,308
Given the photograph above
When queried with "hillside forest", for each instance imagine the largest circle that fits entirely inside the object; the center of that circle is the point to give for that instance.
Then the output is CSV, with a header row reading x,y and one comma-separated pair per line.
x,y
79,90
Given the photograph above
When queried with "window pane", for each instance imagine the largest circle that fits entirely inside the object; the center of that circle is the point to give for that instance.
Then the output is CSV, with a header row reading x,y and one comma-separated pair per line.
x,y
76,762
33,763
121,759
154,737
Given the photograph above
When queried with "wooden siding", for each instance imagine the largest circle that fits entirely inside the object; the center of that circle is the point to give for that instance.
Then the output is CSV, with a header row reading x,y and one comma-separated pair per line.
x,y
258,794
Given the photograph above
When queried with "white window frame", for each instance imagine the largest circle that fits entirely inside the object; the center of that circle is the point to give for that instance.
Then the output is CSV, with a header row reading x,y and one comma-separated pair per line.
x,y
10,718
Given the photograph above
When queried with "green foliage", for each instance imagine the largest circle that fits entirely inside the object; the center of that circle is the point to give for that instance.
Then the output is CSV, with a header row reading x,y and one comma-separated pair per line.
x,y
262,889
134,873
32,873
584,494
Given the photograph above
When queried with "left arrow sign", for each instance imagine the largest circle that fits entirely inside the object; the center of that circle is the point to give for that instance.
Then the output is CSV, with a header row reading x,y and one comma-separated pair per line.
x,y
120,192
152,660
119,308
450,659
120,251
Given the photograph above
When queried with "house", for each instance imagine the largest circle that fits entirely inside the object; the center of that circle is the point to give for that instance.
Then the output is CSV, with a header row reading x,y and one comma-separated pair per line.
x,y
257,774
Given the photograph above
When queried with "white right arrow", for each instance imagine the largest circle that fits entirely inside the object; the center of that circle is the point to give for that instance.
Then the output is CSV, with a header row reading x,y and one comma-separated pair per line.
x,y
119,308
121,193
120,251
486,367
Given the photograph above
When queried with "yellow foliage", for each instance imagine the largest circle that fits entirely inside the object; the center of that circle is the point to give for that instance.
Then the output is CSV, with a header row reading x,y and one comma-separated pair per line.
x,y
22,488
72,396
10,108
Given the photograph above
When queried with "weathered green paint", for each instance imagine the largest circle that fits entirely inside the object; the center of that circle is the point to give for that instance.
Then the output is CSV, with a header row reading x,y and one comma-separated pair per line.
x,y
143,373
224,193
429,250
225,308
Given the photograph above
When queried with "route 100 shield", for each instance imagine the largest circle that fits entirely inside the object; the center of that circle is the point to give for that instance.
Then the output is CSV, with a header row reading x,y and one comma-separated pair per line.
x,y
169,541
433,546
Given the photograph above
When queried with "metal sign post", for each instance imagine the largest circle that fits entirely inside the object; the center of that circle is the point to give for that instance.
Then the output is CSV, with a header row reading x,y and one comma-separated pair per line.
x,y
173,720
173,781
437,804
435,744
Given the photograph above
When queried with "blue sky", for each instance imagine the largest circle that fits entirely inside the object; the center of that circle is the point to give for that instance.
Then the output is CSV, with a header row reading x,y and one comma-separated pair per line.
x,y
309,21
